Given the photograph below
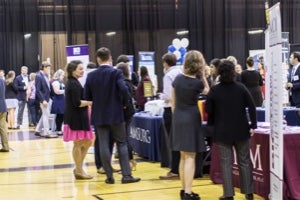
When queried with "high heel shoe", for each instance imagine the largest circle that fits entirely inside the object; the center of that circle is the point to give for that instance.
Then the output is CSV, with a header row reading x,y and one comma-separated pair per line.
x,y
192,196
133,165
79,176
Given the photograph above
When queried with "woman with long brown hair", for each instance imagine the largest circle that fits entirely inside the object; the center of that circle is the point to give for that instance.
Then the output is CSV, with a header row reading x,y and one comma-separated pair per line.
x,y
77,126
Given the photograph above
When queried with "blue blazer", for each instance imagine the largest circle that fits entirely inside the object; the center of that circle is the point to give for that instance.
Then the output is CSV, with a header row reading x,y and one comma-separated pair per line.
x,y
20,84
295,80
106,87
2,96
42,88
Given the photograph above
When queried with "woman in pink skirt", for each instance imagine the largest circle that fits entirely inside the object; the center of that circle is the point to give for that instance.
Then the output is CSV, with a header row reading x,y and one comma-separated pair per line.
x,y
77,126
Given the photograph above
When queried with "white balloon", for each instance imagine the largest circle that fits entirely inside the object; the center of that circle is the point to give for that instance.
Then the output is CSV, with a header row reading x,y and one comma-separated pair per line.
x,y
177,54
184,42
176,43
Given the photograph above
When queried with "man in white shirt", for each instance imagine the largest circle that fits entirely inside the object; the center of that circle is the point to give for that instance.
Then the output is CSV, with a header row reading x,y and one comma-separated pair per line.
x,y
171,71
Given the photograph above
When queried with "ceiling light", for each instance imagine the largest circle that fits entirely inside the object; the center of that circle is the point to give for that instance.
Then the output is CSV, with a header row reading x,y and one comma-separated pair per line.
x,y
184,32
253,32
110,33
27,35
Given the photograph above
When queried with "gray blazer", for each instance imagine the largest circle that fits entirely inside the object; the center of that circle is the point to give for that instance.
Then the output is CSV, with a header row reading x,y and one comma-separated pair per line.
x,y
2,96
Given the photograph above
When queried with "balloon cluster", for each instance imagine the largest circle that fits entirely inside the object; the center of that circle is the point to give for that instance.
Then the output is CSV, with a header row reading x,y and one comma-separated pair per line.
x,y
178,47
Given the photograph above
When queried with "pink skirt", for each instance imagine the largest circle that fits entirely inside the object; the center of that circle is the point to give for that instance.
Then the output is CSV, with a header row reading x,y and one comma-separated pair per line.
x,y
71,135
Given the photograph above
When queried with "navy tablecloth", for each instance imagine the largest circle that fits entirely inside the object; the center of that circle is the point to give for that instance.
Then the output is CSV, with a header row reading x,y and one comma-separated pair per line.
x,y
290,114
145,135
261,167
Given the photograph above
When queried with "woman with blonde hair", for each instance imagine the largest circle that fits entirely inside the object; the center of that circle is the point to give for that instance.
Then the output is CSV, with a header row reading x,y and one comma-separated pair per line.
x,y
187,136
58,101
11,99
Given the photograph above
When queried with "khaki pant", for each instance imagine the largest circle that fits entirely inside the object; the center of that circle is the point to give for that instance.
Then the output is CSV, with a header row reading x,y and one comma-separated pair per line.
x,y
3,131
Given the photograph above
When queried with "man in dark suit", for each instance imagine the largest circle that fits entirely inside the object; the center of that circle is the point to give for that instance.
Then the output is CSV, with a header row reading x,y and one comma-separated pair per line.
x,y
107,89
22,83
3,110
42,85
293,84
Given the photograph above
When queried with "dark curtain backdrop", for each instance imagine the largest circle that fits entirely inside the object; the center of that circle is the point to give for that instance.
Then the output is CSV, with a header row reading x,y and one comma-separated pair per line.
x,y
218,28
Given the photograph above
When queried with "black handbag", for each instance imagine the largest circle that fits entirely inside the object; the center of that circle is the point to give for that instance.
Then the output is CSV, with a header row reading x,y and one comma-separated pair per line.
x,y
208,130
128,112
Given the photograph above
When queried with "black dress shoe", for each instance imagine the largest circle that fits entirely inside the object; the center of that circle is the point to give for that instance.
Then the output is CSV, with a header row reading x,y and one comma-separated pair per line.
x,y
4,150
249,196
225,198
110,181
192,196
182,193
37,134
130,179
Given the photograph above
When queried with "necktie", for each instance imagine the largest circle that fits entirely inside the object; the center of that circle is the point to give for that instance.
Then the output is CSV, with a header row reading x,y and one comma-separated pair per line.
x,y
292,74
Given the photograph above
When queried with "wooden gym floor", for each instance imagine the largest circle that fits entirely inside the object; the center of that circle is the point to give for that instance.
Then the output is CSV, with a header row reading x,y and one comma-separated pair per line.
x,y
38,168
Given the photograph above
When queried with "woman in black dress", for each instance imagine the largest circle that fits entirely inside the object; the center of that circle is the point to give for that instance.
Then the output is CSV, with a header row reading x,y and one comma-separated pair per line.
x,y
187,136
253,80
58,100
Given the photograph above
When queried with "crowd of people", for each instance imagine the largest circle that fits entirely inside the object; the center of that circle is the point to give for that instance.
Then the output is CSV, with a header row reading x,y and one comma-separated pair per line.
x,y
182,87
102,109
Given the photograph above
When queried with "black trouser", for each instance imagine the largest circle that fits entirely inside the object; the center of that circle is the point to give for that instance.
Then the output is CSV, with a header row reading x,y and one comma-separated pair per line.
x,y
175,155
129,147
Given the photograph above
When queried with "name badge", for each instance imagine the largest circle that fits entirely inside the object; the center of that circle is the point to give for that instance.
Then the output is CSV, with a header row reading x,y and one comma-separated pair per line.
x,y
296,78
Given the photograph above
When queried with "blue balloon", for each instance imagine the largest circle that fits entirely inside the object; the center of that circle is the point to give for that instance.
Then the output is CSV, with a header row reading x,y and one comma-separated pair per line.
x,y
182,51
180,61
182,58
171,48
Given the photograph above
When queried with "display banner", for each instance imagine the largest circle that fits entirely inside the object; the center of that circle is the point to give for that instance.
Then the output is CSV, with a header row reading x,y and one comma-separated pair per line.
x,y
267,76
79,52
276,107
131,67
147,59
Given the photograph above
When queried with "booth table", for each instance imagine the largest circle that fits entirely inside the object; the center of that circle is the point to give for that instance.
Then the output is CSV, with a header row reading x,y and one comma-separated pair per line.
x,y
261,168
146,132
291,115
